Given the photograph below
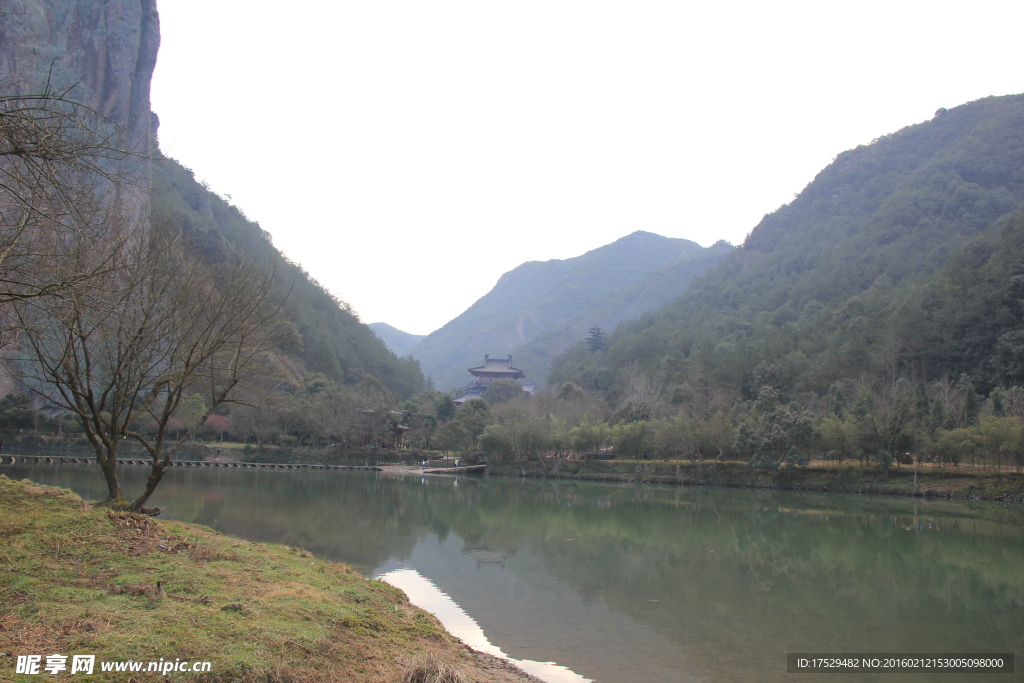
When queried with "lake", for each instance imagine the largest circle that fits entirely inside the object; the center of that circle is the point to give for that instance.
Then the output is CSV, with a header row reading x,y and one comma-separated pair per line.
x,y
623,584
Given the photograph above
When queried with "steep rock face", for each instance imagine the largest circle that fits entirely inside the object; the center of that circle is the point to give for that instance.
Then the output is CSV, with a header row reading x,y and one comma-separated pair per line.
x,y
101,53
103,50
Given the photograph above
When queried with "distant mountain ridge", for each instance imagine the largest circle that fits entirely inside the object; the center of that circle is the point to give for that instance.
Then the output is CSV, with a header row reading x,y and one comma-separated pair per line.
x,y
856,277
539,308
395,339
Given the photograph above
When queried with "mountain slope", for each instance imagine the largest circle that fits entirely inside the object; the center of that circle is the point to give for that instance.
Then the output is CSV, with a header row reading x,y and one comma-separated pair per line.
x,y
328,337
650,293
538,297
395,339
102,55
822,288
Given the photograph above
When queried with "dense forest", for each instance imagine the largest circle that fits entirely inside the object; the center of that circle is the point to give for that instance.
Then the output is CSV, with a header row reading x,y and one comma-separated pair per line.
x,y
878,317
859,275
879,314
894,278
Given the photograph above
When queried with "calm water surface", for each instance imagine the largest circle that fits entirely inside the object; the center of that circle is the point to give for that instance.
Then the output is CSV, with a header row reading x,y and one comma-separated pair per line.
x,y
636,584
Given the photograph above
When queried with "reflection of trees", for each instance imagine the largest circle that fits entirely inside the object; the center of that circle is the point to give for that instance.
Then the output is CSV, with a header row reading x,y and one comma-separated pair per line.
x,y
486,555
724,565
345,517
721,564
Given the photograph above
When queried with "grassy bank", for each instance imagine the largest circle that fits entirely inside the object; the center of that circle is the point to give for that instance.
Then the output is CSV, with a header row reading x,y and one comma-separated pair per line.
x,y
80,579
948,482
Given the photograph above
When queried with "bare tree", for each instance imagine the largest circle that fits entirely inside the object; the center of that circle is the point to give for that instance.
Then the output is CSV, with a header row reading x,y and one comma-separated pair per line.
x,y
63,173
893,416
642,397
125,349
378,412
1013,401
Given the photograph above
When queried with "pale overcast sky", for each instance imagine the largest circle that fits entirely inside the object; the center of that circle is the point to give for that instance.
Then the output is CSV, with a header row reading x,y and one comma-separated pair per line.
x,y
407,153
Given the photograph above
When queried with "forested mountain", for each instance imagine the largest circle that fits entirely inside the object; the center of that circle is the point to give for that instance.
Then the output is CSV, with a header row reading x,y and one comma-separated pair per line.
x,y
100,56
326,336
540,308
650,293
900,259
395,339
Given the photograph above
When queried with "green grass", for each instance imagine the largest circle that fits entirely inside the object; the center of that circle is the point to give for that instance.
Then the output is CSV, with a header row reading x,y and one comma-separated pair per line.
x,y
79,579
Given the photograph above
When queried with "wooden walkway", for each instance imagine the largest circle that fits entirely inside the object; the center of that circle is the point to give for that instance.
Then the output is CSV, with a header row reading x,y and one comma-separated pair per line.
x,y
40,459
419,469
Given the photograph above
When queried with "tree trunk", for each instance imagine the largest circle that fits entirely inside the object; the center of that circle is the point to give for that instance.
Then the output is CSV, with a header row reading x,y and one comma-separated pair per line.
x,y
540,459
108,465
152,482
106,458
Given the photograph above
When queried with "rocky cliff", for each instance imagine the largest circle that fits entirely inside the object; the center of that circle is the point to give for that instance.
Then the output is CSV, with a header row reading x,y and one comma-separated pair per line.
x,y
99,54
102,51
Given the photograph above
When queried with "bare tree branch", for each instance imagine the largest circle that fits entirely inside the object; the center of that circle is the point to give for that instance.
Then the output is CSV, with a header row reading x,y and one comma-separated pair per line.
x,y
123,350
64,177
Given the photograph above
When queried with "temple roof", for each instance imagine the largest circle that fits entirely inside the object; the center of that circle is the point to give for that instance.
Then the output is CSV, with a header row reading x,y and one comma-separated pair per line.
x,y
371,410
497,366
473,392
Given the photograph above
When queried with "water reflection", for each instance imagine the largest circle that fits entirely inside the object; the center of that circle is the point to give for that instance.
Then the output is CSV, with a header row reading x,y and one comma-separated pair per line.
x,y
485,555
424,594
622,584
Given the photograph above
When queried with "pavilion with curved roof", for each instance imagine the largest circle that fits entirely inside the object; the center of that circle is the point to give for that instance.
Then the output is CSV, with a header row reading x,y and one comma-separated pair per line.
x,y
492,370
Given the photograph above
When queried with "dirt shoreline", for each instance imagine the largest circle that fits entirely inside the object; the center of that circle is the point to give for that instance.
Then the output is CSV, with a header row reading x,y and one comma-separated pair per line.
x,y
951,483
955,483
126,587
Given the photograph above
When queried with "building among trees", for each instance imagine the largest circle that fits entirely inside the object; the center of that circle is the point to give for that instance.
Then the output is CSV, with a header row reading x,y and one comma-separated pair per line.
x,y
381,426
492,370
